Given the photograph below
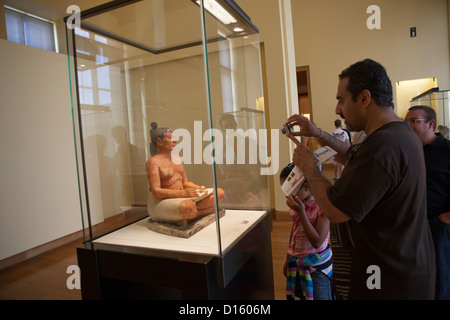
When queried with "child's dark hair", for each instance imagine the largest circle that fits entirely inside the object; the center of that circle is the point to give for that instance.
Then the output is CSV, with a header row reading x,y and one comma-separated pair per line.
x,y
286,171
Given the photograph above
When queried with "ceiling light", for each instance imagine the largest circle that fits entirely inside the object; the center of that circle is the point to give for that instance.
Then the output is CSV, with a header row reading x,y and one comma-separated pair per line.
x,y
218,11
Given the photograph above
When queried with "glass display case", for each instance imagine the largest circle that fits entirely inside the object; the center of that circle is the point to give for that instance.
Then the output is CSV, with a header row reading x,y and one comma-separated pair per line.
x,y
440,102
139,68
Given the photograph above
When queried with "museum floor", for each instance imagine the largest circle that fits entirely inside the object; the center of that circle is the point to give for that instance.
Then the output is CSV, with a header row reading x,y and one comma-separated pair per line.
x,y
44,277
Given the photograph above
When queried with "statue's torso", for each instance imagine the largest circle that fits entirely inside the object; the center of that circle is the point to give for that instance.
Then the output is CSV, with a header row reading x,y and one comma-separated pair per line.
x,y
171,175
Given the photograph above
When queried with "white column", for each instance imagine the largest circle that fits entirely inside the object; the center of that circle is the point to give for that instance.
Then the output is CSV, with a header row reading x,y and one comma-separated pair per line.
x,y
287,41
290,75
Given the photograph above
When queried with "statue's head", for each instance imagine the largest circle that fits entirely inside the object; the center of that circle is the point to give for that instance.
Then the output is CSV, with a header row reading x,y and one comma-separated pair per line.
x,y
159,133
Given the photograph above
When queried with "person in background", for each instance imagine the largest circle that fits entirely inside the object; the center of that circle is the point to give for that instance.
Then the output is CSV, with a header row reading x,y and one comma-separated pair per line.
x,y
444,131
436,150
355,137
342,135
348,129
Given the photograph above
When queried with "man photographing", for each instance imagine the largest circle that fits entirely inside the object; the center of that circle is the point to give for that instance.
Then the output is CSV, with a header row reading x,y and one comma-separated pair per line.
x,y
382,190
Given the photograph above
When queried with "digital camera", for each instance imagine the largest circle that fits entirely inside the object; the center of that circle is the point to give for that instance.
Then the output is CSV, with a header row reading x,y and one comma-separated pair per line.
x,y
287,128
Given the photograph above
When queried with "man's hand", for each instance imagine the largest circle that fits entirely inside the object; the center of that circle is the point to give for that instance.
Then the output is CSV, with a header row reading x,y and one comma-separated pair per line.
x,y
445,217
307,128
303,157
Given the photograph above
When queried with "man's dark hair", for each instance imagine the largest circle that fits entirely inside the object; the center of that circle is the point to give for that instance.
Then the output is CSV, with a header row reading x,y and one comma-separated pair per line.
x,y
372,76
430,114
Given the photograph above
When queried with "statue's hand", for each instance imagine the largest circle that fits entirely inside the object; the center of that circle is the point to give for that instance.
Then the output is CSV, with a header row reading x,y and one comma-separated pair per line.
x,y
190,193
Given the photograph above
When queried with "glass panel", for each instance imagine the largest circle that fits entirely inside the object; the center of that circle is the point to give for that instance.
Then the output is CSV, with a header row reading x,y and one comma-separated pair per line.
x,y
140,68
237,113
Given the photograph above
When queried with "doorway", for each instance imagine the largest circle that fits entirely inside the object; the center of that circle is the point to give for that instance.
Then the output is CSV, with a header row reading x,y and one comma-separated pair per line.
x,y
304,92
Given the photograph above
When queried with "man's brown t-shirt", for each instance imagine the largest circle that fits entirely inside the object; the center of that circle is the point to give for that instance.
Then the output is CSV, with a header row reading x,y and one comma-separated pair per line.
x,y
383,190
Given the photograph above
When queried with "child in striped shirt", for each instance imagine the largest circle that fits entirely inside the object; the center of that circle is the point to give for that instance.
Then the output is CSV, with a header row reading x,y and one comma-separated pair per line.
x,y
308,265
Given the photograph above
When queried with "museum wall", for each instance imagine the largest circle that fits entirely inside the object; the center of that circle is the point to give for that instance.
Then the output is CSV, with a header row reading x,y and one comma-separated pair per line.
x,y
330,35
39,194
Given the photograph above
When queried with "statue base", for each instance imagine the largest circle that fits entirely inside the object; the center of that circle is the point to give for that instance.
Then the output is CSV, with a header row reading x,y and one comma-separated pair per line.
x,y
185,231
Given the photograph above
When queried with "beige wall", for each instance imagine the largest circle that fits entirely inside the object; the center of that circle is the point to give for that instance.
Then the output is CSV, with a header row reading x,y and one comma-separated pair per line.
x,y
331,35
39,188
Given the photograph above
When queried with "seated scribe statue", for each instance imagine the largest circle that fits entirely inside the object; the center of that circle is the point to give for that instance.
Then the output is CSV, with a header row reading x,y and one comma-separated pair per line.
x,y
172,198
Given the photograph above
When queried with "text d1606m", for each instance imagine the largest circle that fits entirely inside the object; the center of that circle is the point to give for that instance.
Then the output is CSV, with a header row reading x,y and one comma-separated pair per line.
x,y
246,309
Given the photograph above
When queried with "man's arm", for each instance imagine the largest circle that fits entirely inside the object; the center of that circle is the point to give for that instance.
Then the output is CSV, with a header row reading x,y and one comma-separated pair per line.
x,y
319,186
341,147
